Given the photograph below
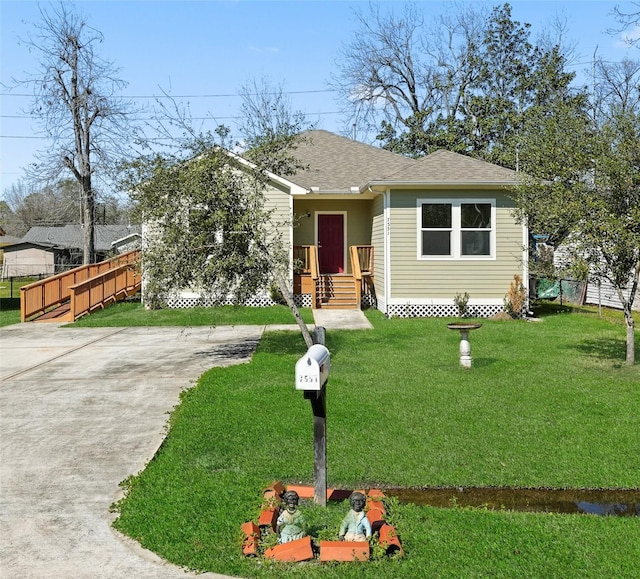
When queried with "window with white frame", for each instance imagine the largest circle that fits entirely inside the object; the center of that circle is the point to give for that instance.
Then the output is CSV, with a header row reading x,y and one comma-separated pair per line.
x,y
456,229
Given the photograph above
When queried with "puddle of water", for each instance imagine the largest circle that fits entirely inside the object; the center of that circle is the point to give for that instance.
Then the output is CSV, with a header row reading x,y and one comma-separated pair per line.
x,y
617,503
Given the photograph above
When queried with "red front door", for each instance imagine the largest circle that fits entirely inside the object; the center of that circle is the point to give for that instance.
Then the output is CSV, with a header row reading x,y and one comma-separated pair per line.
x,y
331,243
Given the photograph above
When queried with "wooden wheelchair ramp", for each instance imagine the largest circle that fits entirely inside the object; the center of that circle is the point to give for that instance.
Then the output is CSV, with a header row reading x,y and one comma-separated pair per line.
x,y
70,295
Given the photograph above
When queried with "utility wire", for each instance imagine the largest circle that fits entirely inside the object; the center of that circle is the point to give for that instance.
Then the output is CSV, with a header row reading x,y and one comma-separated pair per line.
x,y
196,96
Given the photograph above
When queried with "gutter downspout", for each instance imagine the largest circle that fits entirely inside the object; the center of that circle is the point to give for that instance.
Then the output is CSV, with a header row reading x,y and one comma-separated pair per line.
x,y
386,196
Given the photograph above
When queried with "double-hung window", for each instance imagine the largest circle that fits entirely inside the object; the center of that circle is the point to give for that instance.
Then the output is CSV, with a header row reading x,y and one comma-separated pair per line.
x,y
456,229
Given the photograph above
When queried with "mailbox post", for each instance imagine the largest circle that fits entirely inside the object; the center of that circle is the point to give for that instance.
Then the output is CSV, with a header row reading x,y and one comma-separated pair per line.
x,y
312,373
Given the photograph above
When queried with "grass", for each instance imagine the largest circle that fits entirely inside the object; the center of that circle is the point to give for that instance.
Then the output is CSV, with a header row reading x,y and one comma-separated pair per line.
x,y
134,314
10,288
9,311
546,404
10,300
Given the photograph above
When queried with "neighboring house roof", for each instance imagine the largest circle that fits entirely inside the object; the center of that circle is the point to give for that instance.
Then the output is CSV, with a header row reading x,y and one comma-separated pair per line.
x,y
339,164
70,236
20,245
129,237
9,240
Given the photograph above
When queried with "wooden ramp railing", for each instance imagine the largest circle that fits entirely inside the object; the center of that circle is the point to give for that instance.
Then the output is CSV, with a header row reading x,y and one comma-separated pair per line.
x,y
74,293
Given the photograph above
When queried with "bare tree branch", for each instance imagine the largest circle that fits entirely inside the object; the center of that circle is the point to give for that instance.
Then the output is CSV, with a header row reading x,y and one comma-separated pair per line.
x,y
77,103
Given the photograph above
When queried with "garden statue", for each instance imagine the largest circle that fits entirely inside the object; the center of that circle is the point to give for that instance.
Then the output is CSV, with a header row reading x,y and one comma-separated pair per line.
x,y
355,526
290,524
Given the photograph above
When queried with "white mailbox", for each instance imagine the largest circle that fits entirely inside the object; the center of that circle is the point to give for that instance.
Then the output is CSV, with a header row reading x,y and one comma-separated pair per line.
x,y
312,370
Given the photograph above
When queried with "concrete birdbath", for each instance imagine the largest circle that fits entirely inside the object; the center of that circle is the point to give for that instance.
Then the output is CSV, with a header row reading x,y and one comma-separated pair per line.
x,y
465,347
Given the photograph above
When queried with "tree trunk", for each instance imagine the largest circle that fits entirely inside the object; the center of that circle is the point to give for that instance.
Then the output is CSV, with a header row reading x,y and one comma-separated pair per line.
x,y
88,223
288,297
631,340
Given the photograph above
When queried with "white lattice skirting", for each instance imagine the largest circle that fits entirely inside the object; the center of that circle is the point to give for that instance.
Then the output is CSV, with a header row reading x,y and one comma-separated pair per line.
x,y
301,300
182,302
441,311
394,311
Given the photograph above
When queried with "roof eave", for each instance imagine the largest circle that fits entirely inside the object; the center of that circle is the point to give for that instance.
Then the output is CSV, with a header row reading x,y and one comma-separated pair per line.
x,y
384,185
354,192
294,188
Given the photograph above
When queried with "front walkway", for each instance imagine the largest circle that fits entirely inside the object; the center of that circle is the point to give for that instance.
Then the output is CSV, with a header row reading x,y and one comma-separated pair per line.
x,y
341,319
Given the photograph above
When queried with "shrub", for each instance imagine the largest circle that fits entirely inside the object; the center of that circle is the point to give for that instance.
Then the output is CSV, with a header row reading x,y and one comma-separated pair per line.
x,y
516,297
461,301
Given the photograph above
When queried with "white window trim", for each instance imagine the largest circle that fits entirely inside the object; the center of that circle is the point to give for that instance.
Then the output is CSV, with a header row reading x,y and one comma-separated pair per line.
x,y
456,230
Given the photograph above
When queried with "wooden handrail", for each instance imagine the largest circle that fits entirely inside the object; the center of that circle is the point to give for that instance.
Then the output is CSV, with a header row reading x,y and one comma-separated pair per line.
x,y
361,257
38,297
314,264
301,261
365,258
356,272
355,263
306,262
102,289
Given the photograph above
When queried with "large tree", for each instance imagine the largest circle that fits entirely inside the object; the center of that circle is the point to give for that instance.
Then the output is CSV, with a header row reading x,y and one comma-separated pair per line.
x,y
581,183
77,102
52,205
208,228
628,16
55,204
466,85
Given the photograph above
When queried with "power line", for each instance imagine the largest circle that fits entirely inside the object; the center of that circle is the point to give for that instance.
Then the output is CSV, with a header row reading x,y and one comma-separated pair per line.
x,y
209,118
197,96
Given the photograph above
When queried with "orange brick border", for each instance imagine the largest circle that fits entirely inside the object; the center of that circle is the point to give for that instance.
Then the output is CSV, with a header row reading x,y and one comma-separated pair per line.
x,y
302,549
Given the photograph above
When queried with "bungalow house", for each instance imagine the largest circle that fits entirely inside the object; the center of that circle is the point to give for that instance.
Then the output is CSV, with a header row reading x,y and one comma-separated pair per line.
x,y
370,227
45,251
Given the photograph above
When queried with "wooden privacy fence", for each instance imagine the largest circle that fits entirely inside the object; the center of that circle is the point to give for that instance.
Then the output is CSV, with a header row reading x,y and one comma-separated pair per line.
x,y
84,288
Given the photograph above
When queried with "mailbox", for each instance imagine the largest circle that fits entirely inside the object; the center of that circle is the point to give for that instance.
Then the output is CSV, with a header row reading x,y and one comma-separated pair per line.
x,y
312,370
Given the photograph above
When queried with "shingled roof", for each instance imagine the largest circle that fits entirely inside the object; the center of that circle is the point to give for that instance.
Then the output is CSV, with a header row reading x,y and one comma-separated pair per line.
x,y
70,236
455,169
337,164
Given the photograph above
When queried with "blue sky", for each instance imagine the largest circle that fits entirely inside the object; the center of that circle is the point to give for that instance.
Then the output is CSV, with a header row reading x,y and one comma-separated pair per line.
x,y
214,47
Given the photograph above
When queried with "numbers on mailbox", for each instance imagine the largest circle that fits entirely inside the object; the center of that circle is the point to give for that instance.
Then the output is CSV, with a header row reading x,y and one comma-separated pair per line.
x,y
306,379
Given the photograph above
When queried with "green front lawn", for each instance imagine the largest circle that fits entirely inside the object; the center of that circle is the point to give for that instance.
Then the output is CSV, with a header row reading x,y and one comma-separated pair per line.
x,y
10,299
134,314
9,311
547,404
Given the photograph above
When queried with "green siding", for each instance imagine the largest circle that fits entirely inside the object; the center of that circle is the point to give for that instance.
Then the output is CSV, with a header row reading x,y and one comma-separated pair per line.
x,y
413,278
278,201
377,240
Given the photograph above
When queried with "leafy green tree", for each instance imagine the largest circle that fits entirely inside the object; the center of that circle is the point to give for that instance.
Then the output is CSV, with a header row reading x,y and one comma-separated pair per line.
x,y
610,228
581,184
270,130
467,88
208,229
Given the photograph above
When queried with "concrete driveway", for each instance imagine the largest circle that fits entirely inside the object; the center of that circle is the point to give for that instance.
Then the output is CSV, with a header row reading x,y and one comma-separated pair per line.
x,y
80,410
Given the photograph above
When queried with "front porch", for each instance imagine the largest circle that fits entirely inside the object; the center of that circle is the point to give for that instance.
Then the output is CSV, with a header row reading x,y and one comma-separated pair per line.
x,y
346,291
